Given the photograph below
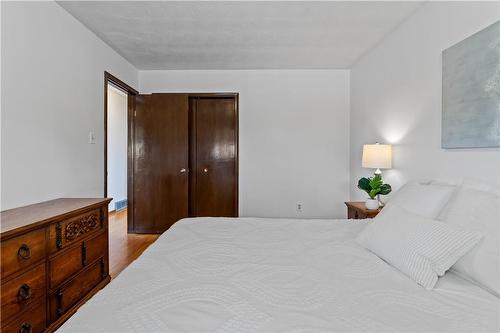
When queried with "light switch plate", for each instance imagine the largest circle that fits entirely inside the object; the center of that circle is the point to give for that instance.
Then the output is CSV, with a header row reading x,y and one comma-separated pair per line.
x,y
91,138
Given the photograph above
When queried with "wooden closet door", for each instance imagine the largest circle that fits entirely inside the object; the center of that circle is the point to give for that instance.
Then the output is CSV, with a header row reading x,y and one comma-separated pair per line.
x,y
214,144
161,144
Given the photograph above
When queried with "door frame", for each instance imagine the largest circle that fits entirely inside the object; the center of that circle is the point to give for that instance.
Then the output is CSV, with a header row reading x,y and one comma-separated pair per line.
x,y
131,93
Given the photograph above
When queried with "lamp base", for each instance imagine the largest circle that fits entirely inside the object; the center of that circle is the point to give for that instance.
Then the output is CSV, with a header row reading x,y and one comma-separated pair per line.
x,y
380,203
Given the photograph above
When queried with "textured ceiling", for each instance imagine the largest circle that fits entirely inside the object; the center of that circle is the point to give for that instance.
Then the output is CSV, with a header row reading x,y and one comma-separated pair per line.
x,y
240,35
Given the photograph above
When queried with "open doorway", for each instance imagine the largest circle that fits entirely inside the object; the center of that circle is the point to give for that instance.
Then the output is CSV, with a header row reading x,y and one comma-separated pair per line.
x,y
117,148
119,99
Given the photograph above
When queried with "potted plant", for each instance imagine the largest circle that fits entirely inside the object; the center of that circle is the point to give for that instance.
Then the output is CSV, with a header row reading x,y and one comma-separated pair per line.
x,y
373,186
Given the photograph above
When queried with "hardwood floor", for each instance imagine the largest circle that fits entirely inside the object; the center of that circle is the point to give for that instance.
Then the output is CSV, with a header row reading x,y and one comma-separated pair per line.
x,y
124,248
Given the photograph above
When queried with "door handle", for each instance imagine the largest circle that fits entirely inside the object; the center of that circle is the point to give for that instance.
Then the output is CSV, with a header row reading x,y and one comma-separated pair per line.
x,y
205,170
183,170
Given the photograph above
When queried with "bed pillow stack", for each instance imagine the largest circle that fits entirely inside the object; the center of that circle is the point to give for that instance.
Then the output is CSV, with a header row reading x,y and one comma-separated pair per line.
x,y
468,226
420,247
423,198
476,207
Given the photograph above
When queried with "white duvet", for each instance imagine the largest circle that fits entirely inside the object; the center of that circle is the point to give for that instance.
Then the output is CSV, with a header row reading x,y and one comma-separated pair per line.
x,y
277,275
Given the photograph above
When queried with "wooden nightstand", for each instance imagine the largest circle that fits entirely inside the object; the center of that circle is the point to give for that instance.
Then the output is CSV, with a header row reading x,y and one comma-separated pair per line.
x,y
357,210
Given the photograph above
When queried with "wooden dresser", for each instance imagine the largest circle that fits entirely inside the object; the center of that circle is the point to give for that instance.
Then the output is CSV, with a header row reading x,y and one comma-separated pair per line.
x,y
54,257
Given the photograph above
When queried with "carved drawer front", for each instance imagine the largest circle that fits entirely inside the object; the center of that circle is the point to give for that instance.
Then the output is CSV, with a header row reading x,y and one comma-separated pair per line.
x,y
22,251
21,292
30,321
65,297
69,262
74,229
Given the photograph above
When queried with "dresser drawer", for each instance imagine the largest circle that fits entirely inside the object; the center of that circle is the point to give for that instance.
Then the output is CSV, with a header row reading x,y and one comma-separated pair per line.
x,y
31,320
68,295
22,251
19,293
67,232
67,263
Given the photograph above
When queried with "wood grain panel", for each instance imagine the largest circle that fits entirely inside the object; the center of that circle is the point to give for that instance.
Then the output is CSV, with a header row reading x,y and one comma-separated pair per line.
x,y
358,211
62,266
161,155
32,320
70,231
23,219
22,251
68,295
214,157
19,293
77,233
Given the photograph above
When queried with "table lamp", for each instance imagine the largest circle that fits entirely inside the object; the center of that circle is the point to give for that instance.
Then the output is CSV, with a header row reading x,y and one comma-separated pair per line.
x,y
377,156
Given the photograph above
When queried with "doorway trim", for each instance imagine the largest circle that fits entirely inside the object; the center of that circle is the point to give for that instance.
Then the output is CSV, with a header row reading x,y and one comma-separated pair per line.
x,y
131,93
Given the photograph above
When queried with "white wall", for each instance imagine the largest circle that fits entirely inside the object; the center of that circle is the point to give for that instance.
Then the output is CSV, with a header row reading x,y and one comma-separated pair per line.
x,y
293,135
396,97
294,125
117,145
52,96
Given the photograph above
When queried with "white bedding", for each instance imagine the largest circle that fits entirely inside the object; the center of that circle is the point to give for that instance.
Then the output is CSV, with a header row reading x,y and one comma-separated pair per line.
x,y
277,275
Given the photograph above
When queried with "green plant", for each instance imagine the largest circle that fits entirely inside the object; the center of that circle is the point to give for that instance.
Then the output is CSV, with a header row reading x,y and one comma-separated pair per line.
x,y
374,186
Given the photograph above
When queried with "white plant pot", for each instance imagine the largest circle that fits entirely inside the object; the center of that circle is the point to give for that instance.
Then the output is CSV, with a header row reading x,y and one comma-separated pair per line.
x,y
371,204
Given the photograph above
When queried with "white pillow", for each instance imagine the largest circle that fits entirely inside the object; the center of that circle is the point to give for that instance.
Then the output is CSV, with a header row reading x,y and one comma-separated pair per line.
x,y
427,200
478,210
421,248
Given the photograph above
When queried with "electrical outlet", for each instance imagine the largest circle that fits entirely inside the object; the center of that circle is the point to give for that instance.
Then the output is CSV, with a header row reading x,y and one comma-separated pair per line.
x,y
299,207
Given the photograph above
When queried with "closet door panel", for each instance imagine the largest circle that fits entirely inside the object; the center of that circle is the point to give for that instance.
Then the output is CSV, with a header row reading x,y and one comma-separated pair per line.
x,y
216,149
161,162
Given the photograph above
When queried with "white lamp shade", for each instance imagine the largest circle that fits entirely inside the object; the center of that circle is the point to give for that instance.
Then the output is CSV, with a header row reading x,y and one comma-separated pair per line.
x,y
377,156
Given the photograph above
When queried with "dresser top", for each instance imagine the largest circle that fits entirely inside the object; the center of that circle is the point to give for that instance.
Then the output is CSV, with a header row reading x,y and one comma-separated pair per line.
x,y
17,219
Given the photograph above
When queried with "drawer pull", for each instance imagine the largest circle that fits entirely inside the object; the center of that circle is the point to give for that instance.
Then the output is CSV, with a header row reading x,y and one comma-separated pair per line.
x,y
24,252
58,235
84,253
103,268
24,292
26,328
60,309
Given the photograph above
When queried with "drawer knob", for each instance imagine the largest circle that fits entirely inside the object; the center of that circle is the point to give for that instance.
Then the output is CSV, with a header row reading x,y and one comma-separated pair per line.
x,y
26,328
24,292
24,252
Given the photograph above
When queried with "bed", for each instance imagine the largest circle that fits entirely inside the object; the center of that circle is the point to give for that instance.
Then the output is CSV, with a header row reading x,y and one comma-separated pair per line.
x,y
277,275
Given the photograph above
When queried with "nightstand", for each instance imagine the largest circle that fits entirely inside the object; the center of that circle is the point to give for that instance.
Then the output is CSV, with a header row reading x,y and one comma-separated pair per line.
x,y
357,210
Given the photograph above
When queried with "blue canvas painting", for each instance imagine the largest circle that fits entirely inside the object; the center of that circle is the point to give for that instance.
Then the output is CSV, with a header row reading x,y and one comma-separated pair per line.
x,y
471,91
